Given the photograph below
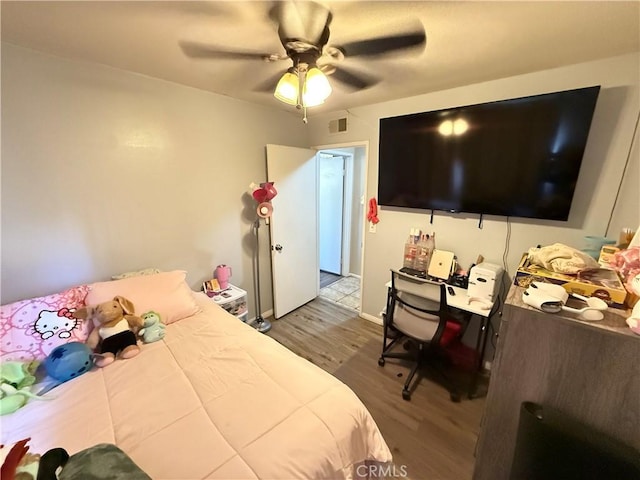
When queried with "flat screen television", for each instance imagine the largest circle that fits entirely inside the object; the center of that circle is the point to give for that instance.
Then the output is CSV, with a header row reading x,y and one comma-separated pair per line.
x,y
519,157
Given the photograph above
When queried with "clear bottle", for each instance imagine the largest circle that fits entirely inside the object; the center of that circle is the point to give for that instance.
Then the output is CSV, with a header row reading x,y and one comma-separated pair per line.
x,y
422,256
410,251
431,246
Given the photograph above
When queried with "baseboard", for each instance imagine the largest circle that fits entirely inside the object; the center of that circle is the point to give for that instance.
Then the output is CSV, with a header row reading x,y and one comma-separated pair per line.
x,y
371,318
266,314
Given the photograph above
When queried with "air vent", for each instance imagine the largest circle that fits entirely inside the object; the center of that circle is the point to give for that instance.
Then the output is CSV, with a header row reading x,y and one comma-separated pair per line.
x,y
338,126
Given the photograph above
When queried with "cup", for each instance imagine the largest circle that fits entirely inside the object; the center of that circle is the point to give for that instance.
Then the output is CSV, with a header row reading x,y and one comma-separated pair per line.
x,y
223,274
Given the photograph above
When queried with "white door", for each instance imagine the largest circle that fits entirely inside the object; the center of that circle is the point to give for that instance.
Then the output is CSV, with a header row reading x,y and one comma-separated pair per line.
x,y
293,227
330,207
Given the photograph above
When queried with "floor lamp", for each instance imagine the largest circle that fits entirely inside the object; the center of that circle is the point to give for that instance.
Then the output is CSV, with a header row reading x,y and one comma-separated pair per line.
x,y
260,324
263,194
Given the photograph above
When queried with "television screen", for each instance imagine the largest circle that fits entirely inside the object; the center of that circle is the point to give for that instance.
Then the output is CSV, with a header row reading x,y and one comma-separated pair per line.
x,y
519,157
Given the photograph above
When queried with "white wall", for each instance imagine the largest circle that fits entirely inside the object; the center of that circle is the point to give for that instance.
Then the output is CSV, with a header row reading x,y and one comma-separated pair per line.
x,y
608,148
105,171
626,213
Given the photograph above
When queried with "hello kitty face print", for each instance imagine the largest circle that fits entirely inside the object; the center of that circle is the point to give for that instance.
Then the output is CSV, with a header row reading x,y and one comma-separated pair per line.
x,y
31,329
60,323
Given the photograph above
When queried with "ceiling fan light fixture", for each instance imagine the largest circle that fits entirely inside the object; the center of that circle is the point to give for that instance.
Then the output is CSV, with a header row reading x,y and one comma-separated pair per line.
x,y
316,88
287,88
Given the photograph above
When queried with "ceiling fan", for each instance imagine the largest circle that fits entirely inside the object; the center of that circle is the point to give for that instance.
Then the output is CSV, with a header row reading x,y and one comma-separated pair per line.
x,y
303,30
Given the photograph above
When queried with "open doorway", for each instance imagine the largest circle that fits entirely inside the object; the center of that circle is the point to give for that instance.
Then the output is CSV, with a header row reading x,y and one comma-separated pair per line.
x,y
341,191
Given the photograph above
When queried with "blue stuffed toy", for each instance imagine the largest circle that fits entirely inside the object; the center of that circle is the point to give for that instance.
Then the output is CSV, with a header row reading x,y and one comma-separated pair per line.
x,y
68,361
153,329
65,363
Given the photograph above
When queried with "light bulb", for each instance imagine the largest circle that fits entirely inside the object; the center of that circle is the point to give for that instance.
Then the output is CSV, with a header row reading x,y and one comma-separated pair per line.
x,y
287,89
316,88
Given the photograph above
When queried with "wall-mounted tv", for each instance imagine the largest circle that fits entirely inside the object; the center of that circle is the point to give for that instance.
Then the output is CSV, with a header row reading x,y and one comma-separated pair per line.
x,y
519,157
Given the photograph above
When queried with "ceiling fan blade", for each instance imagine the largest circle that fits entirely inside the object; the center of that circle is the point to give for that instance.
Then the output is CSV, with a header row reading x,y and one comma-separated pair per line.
x,y
213,9
356,81
304,21
199,50
384,45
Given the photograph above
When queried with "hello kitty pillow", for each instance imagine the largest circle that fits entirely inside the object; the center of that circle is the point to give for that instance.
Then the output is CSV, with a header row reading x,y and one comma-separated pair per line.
x,y
31,329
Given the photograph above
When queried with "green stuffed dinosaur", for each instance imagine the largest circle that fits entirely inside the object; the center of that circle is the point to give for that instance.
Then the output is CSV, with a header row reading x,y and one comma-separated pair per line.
x,y
16,379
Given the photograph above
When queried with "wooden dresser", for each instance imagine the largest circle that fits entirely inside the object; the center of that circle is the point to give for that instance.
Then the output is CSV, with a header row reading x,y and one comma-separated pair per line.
x,y
587,370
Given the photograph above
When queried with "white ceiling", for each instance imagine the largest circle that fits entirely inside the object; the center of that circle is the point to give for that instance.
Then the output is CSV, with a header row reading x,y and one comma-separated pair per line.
x,y
467,42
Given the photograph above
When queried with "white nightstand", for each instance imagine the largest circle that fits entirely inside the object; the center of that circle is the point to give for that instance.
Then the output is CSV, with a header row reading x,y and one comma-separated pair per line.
x,y
234,301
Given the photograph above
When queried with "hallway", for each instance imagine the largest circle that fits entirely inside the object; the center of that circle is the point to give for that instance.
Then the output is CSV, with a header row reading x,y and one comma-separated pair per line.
x,y
345,292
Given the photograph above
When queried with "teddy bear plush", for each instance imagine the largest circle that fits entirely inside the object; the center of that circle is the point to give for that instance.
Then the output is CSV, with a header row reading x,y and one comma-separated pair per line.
x,y
153,329
115,327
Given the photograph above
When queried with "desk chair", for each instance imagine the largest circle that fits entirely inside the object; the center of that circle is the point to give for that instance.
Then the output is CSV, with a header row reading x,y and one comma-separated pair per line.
x,y
417,309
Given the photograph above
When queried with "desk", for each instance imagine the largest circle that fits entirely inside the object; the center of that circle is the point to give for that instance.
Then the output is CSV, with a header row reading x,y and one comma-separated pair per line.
x,y
461,301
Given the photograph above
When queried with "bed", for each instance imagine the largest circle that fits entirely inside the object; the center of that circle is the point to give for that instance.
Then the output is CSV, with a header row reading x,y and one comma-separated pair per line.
x,y
213,399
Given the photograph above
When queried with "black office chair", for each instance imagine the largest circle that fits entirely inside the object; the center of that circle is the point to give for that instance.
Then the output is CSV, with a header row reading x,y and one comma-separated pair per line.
x,y
417,309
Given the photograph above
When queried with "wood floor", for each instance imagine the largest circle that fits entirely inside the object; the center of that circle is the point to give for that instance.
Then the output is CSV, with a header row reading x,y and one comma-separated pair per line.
x,y
431,436
327,278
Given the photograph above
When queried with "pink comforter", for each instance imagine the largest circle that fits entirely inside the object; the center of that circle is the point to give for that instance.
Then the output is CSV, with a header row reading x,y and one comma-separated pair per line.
x,y
215,399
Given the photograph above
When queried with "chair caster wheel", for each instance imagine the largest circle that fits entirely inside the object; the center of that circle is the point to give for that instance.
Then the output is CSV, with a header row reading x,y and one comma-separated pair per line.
x,y
406,395
455,397
381,362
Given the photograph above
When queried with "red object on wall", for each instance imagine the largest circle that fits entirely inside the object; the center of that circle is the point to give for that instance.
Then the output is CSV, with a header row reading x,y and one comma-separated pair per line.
x,y
372,216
